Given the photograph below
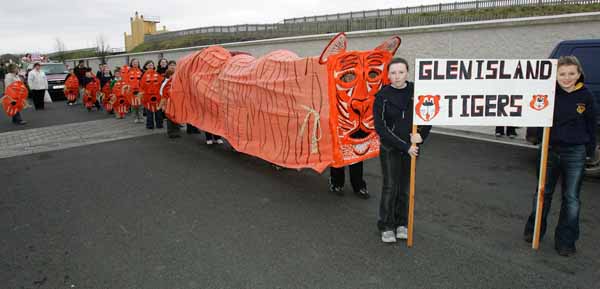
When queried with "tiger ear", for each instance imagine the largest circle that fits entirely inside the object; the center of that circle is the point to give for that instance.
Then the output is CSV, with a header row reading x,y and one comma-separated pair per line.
x,y
336,45
391,44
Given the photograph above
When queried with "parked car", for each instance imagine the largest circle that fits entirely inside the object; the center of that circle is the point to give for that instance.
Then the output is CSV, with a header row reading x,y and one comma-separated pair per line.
x,y
56,74
588,53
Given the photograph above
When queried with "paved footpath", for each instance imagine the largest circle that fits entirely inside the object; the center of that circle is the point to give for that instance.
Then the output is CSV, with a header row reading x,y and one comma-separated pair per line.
x,y
36,140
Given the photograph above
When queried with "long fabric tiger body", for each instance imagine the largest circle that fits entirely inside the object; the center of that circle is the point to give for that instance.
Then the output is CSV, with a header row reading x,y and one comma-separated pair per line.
x,y
295,112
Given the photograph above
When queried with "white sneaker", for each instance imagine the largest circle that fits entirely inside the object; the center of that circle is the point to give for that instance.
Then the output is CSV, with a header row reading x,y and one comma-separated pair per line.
x,y
402,233
388,237
219,141
209,142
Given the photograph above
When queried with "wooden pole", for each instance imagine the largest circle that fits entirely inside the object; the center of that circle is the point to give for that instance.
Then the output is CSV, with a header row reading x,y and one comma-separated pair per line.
x,y
541,187
411,196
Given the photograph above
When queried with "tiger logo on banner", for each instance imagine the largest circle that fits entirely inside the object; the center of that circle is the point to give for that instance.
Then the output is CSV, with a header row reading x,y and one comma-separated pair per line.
x,y
428,107
539,101
150,89
296,112
15,97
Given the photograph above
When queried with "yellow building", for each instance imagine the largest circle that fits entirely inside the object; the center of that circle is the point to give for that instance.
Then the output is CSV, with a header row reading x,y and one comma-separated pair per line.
x,y
141,26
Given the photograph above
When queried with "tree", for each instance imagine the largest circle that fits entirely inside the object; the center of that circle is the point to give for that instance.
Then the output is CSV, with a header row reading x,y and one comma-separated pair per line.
x,y
102,48
60,49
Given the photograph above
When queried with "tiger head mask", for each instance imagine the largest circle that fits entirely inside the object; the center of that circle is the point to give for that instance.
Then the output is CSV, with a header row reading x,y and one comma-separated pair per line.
x,y
354,77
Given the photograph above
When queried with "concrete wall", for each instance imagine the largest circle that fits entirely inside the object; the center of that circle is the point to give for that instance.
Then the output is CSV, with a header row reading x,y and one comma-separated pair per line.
x,y
532,37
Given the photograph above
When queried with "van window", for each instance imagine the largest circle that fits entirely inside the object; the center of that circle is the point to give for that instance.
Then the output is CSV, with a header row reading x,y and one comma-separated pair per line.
x,y
589,58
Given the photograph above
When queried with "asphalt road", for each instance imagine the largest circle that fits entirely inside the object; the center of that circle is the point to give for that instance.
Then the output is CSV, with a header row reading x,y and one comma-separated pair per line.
x,y
55,113
151,212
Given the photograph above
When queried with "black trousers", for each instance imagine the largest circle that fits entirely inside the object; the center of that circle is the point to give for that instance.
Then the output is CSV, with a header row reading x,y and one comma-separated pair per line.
x,y
393,208
190,129
510,130
210,136
38,98
338,176
172,128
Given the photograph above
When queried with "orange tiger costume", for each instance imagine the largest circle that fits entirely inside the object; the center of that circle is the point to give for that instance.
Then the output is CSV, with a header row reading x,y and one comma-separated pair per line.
x,y
15,96
90,95
72,88
295,112
120,100
150,88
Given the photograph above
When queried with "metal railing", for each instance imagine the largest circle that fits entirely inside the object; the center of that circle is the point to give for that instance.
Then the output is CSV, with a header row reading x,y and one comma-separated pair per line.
x,y
365,20
442,7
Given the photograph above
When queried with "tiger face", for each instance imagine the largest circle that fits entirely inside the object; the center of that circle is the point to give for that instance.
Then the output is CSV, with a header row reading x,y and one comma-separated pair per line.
x,y
539,102
150,86
354,77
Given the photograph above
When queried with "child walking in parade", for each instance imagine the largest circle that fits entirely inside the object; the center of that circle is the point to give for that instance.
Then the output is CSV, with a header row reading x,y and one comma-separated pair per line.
x,y
134,74
91,88
173,128
9,78
119,95
149,88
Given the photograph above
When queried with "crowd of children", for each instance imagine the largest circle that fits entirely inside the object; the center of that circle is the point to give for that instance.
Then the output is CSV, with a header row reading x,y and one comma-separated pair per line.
x,y
127,90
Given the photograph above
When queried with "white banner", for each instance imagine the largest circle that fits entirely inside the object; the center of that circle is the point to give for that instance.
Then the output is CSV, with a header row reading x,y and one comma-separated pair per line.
x,y
485,92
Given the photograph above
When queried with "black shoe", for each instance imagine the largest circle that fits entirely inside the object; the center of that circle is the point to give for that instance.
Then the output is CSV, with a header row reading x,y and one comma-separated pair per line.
x,y
174,136
363,193
149,127
565,251
336,190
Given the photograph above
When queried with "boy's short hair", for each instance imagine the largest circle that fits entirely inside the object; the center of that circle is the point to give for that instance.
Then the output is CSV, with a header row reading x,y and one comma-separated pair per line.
x,y
398,60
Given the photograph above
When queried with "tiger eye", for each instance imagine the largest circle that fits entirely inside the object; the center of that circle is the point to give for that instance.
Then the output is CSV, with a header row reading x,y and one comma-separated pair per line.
x,y
348,77
373,74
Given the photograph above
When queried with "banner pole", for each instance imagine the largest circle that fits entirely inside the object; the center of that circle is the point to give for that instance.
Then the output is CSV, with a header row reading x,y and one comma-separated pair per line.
x,y
411,197
541,188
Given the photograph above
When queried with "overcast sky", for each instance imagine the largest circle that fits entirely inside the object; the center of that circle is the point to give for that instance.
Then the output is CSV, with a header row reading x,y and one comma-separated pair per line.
x,y
34,25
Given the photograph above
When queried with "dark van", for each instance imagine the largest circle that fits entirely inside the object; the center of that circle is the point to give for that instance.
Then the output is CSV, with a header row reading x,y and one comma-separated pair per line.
x,y
588,53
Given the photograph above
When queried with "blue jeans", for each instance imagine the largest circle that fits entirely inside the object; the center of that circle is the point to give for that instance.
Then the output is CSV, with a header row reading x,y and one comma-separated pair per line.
x,y
568,162
393,208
